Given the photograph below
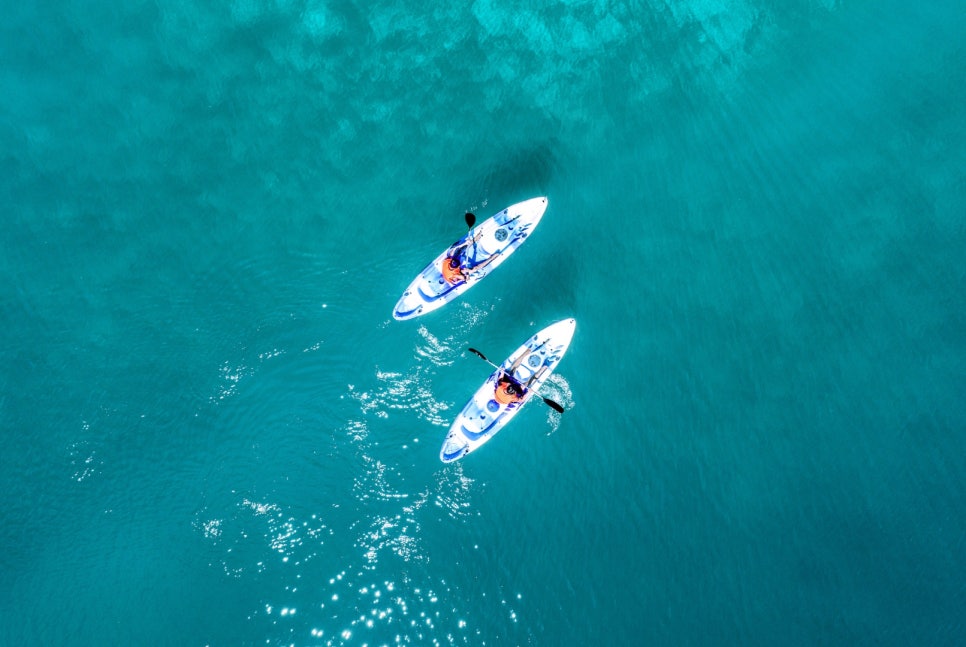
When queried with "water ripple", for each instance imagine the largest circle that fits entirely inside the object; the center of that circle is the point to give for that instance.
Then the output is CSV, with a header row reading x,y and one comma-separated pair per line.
x,y
557,389
410,392
253,526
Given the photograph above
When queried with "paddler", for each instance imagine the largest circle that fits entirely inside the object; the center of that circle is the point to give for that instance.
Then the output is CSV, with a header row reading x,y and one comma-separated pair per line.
x,y
457,266
508,388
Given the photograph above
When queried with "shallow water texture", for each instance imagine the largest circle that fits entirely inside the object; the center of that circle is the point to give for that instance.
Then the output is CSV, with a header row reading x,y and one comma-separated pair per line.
x,y
215,433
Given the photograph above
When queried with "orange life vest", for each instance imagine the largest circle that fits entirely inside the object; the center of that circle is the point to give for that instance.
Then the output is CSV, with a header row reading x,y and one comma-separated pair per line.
x,y
452,273
505,394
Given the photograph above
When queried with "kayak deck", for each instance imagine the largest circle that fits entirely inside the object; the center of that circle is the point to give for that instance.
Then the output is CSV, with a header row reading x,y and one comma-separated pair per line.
x,y
486,414
487,245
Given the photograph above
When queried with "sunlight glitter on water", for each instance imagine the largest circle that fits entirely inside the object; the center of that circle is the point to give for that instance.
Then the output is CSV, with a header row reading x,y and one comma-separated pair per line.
x,y
380,613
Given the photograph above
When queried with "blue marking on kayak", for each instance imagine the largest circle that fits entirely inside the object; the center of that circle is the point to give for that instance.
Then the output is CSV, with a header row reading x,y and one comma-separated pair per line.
x,y
476,435
408,312
428,298
456,454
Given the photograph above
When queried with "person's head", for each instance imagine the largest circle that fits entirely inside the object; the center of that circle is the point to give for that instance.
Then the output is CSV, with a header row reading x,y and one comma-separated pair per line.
x,y
507,392
511,386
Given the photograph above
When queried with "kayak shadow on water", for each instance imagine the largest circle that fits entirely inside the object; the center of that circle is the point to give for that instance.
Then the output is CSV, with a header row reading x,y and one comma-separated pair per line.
x,y
529,170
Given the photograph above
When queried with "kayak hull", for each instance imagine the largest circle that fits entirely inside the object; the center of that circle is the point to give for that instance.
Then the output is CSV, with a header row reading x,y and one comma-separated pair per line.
x,y
496,238
484,415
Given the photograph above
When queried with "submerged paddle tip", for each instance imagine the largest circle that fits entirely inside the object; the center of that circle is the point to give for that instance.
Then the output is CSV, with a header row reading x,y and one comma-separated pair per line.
x,y
553,405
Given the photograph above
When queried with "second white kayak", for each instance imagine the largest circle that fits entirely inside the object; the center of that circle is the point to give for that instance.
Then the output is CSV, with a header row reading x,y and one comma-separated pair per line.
x,y
505,392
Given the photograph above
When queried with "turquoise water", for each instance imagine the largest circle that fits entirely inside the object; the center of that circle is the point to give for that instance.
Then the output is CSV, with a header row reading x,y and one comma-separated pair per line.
x,y
215,434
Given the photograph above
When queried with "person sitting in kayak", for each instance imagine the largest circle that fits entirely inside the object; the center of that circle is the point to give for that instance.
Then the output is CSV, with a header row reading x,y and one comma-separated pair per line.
x,y
508,388
452,269
457,265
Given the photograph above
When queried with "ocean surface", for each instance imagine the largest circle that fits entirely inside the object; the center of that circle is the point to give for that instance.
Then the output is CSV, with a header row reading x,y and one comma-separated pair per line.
x,y
214,433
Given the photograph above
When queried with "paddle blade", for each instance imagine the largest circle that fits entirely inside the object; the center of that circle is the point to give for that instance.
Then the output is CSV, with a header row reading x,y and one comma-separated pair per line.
x,y
553,405
476,352
470,220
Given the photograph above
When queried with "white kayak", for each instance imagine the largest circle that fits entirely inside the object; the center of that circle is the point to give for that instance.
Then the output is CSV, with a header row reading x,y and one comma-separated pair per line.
x,y
480,251
494,404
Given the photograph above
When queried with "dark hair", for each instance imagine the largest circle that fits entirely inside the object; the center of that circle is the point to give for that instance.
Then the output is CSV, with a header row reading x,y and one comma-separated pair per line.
x,y
515,387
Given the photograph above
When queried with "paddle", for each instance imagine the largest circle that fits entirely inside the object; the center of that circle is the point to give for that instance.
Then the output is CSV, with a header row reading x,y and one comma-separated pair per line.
x,y
550,403
470,221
